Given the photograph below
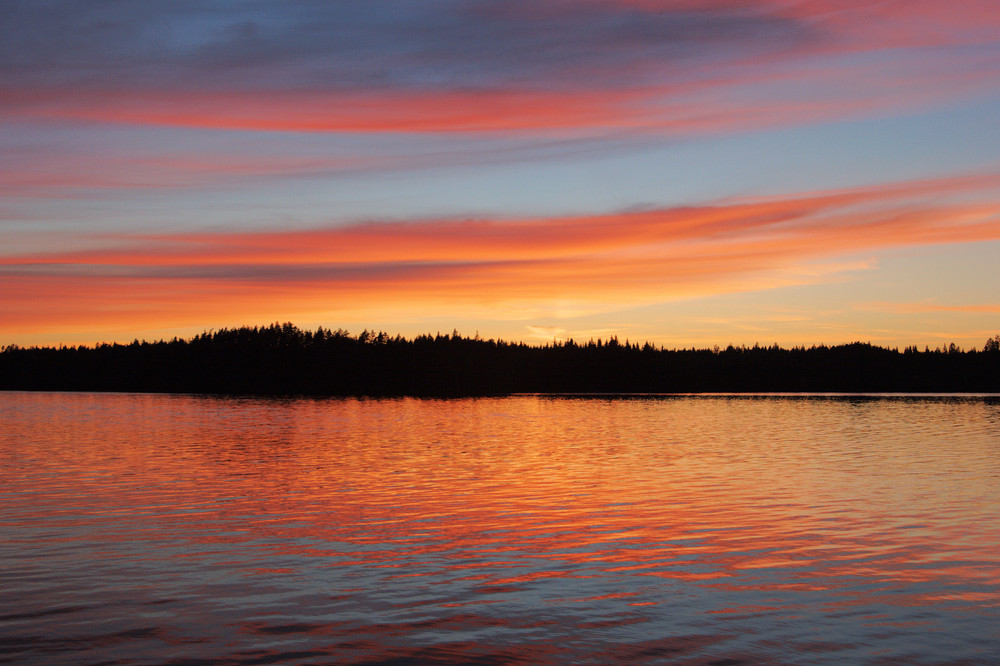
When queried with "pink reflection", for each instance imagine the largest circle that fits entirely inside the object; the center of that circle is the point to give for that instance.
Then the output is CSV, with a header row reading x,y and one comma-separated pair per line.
x,y
592,514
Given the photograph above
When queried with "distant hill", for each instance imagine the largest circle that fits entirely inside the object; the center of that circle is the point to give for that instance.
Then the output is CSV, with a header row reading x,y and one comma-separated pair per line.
x,y
283,359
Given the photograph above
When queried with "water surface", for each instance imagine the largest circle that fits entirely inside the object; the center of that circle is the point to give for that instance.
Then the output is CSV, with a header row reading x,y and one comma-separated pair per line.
x,y
696,529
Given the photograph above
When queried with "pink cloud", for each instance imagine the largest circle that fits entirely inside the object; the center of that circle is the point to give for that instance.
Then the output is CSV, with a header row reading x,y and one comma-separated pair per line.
x,y
505,267
674,67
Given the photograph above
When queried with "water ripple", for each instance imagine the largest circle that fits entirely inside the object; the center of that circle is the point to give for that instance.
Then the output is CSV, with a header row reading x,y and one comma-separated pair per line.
x,y
170,529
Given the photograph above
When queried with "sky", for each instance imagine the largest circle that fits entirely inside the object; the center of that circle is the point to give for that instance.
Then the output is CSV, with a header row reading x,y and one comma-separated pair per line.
x,y
689,173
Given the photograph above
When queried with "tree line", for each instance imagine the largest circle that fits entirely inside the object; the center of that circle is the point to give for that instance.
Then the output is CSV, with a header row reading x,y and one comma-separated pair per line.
x,y
283,359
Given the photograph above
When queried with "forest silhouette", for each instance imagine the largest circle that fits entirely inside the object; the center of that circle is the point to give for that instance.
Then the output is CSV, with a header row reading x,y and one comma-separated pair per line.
x,y
282,359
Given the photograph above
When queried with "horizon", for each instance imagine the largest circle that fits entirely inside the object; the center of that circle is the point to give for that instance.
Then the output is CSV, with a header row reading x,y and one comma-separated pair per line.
x,y
742,173
477,336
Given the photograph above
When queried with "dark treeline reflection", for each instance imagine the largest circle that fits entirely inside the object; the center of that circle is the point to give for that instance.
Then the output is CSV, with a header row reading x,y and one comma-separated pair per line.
x,y
283,359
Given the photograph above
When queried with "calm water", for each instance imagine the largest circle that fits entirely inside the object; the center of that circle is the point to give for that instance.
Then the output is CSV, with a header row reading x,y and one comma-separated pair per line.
x,y
144,528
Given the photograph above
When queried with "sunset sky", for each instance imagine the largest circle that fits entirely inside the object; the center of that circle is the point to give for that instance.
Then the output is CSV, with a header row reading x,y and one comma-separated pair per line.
x,y
688,173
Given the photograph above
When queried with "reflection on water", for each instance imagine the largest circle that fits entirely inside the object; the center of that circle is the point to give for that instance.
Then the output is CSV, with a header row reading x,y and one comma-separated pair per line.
x,y
144,528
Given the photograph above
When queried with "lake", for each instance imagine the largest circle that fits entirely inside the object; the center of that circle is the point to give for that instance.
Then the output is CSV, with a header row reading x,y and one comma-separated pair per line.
x,y
141,528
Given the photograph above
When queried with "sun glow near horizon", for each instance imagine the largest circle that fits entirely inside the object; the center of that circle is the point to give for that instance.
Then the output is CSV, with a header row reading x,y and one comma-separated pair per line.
x,y
758,172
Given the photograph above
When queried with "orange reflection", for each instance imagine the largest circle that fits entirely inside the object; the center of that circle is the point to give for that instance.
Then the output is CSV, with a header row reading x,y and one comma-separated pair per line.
x,y
742,516
463,496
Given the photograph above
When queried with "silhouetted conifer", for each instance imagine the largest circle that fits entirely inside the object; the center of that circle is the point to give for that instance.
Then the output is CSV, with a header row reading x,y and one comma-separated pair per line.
x,y
282,359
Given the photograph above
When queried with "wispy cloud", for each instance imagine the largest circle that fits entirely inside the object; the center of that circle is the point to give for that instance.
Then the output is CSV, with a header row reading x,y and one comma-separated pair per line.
x,y
75,162
345,45
923,307
514,268
464,65
39,174
546,333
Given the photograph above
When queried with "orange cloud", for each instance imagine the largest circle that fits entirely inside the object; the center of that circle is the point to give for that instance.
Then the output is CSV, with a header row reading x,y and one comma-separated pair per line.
x,y
506,268
844,220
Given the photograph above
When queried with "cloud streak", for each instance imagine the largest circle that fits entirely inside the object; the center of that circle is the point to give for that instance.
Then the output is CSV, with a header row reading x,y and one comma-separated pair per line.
x,y
924,307
345,45
512,268
474,66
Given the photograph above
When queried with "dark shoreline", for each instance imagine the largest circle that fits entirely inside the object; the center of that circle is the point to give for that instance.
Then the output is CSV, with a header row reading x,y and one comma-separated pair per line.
x,y
284,360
